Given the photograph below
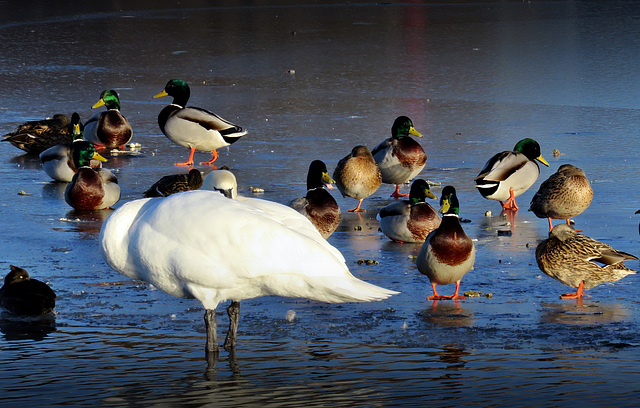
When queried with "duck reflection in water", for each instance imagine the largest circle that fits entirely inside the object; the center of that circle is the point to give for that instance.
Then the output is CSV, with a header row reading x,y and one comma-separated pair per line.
x,y
447,314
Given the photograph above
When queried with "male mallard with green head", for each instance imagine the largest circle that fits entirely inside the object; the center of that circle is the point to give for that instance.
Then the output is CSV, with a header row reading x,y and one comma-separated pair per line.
x,y
413,219
59,163
318,205
195,128
109,129
399,157
91,189
510,173
448,253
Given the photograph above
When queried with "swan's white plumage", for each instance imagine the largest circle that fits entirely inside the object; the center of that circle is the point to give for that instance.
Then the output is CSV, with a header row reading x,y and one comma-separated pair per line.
x,y
225,182
200,244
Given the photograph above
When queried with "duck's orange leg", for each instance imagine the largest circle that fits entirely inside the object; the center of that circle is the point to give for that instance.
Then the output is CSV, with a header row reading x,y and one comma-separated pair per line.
x,y
455,295
435,293
214,157
397,194
579,293
551,225
510,204
358,209
189,162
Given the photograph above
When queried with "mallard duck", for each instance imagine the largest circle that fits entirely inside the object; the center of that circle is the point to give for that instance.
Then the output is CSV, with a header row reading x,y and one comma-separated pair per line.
x,y
91,189
410,220
565,194
399,157
37,136
170,243
22,295
318,205
175,183
59,162
448,253
109,128
357,175
510,173
195,128
575,260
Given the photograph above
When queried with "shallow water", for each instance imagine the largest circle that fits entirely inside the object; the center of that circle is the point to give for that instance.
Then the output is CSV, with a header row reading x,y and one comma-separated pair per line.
x,y
474,77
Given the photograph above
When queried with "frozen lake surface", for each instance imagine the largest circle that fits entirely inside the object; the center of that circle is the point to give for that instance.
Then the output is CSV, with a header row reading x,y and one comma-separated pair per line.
x,y
310,81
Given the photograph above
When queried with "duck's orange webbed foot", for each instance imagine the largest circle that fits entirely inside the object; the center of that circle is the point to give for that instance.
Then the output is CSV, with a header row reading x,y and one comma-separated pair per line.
x,y
189,161
358,209
214,157
510,204
578,294
455,295
397,193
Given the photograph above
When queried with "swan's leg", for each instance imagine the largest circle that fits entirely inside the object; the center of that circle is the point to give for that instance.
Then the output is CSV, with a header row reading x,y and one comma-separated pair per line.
x,y
234,317
212,333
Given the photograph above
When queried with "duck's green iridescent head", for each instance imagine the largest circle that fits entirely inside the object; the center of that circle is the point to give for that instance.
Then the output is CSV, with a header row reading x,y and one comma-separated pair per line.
x,y
177,88
531,149
403,127
108,98
420,191
84,152
449,201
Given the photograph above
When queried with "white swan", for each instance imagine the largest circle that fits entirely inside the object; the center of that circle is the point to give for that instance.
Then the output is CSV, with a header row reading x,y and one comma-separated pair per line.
x,y
202,245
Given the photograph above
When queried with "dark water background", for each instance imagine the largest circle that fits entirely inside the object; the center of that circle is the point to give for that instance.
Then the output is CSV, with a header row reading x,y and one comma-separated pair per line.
x,y
475,77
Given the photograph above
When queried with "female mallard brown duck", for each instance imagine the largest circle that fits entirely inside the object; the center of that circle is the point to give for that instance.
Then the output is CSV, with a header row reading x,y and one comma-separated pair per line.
x,y
565,194
318,205
109,129
21,295
410,220
175,183
579,261
448,253
357,175
510,173
399,157
195,128
37,136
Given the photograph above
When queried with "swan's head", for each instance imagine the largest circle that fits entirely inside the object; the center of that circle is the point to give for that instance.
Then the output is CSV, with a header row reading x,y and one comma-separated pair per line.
x,y
223,181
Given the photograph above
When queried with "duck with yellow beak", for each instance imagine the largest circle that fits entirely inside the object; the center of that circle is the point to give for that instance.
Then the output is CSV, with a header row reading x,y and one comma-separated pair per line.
x,y
399,157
